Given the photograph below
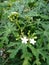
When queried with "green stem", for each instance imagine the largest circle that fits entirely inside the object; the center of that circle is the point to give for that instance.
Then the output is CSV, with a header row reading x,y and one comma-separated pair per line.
x,y
5,61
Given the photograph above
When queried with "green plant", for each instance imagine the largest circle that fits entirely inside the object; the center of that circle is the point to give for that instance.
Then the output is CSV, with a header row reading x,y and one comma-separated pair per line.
x,y
24,32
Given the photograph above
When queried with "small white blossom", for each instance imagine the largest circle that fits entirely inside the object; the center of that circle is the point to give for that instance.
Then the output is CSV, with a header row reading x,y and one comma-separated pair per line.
x,y
24,40
32,41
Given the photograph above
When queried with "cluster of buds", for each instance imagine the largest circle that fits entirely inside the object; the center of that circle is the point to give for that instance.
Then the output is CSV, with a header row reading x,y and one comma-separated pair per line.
x,y
13,16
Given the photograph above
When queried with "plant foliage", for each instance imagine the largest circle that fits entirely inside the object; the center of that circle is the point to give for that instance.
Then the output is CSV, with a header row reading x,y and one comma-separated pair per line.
x,y
19,18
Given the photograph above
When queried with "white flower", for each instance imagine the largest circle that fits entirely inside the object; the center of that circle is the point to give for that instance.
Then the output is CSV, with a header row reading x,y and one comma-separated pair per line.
x,y
24,40
32,41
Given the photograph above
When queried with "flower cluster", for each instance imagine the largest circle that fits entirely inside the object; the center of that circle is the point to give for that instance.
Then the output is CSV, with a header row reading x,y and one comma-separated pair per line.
x,y
25,40
13,16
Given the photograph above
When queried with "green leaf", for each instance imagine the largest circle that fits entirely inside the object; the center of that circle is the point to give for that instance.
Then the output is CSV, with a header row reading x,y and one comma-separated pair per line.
x,y
11,44
15,51
26,62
